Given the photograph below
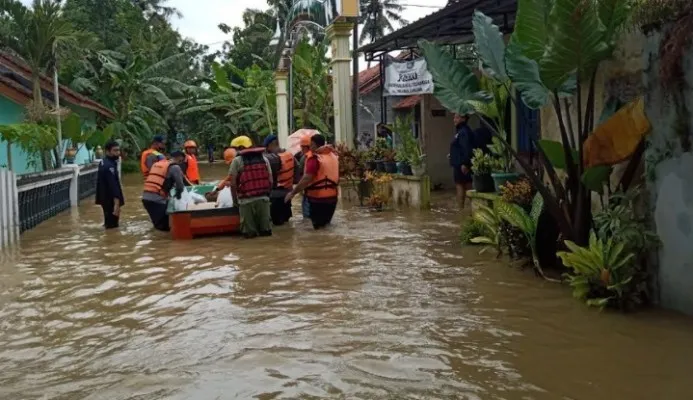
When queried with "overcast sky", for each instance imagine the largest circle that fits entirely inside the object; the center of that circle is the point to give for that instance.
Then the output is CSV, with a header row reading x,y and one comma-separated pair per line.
x,y
201,17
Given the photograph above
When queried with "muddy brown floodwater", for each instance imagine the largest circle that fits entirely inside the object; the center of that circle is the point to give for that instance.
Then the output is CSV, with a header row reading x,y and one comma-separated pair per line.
x,y
380,306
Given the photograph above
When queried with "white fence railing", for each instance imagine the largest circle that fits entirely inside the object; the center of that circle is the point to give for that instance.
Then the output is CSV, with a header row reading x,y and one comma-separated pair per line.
x,y
9,208
27,200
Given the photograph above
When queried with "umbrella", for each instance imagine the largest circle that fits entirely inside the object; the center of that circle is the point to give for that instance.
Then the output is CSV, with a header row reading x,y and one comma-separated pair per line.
x,y
295,139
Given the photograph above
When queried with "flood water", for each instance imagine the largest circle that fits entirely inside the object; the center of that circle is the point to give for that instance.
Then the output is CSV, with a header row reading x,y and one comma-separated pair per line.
x,y
379,306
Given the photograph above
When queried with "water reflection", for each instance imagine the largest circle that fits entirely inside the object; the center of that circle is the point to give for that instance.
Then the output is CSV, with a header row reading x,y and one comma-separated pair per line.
x,y
383,306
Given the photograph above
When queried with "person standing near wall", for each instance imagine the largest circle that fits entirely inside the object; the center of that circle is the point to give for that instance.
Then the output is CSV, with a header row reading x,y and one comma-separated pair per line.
x,y
460,156
109,192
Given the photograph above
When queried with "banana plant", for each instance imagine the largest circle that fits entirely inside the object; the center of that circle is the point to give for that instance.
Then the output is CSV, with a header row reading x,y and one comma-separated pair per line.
x,y
490,219
600,271
527,222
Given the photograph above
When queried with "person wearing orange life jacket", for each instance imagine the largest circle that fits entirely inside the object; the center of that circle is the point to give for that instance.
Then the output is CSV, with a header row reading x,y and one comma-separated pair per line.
x,y
320,182
301,157
283,166
153,154
163,176
192,172
251,184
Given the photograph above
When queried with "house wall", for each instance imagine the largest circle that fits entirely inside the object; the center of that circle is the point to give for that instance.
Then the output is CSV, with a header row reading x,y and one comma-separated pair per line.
x,y
437,133
669,165
12,113
23,163
369,114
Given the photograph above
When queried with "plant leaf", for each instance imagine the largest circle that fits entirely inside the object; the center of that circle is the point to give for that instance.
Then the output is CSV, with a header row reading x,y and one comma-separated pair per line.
x,y
455,83
524,74
576,44
595,178
531,27
489,44
555,154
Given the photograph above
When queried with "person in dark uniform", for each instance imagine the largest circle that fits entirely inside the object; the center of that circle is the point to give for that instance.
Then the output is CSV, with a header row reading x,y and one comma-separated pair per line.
x,y
460,157
109,193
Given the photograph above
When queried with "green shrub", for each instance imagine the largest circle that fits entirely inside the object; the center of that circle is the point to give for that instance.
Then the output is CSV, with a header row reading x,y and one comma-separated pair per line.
x,y
129,166
471,229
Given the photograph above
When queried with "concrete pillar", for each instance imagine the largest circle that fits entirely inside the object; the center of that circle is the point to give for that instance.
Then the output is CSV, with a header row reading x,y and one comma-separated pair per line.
x,y
74,184
280,80
339,34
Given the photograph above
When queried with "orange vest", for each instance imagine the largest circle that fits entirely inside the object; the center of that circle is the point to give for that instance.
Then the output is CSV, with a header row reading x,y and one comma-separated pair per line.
x,y
192,172
325,183
154,182
285,177
143,161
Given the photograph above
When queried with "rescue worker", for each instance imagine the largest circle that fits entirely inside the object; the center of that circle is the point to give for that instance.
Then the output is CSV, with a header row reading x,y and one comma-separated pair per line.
x,y
192,172
154,153
305,150
163,176
320,182
283,166
251,184
229,155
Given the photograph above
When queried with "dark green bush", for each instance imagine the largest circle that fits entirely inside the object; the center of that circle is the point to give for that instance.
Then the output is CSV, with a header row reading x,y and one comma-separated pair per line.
x,y
471,228
130,166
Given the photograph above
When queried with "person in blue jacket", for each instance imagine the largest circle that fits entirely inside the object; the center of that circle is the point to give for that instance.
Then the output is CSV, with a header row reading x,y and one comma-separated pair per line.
x,y
109,192
460,156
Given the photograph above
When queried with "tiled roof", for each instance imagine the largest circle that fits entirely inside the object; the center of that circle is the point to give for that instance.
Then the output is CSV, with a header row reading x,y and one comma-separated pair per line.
x,y
16,74
408,102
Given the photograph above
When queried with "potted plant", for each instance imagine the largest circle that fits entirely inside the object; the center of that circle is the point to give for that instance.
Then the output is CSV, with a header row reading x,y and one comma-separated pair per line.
x,y
403,165
482,166
378,154
389,157
70,154
503,172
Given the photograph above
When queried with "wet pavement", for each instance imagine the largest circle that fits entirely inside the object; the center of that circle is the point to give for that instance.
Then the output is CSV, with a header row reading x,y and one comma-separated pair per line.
x,y
379,306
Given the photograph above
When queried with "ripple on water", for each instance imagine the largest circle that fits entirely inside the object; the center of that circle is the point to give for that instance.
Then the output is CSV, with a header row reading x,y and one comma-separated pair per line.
x,y
378,306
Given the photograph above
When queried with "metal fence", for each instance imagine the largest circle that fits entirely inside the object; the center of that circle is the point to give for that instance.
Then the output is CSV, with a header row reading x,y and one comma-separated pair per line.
x,y
87,181
42,196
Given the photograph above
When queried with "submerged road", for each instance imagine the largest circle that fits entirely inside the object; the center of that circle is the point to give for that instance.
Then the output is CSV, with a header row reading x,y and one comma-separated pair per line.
x,y
379,306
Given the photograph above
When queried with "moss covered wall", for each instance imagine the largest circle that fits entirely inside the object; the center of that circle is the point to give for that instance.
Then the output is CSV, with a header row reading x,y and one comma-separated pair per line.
x,y
669,166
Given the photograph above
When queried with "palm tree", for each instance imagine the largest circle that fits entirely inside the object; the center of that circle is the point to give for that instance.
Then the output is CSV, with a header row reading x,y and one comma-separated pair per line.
x,y
377,17
38,35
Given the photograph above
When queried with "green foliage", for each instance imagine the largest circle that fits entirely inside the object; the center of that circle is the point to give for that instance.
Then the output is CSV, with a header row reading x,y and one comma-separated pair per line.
x,y
471,229
377,16
408,149
601,271
527,222
553,51
33,138
490,219
130,167
621,221
485,163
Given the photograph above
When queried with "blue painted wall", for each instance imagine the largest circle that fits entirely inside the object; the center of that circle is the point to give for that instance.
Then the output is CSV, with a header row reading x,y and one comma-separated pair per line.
x,y
12,113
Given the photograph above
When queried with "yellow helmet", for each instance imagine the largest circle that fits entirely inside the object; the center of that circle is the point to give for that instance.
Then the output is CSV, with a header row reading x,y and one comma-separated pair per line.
x,y
242,141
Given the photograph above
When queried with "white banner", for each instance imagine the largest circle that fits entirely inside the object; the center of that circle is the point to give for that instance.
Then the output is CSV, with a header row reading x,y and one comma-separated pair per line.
x,y
407,78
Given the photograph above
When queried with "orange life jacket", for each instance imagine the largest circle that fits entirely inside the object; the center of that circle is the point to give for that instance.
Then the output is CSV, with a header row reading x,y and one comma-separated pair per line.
x,y
254,178
192,172
156,179
285,177
325,183
143,160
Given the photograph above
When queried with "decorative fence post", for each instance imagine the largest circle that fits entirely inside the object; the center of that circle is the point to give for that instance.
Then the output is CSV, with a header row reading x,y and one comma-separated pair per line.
x,y
74,184
9,208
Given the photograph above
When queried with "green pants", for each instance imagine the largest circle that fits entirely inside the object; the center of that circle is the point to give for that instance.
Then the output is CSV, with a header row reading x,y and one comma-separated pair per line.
x,y
255,218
